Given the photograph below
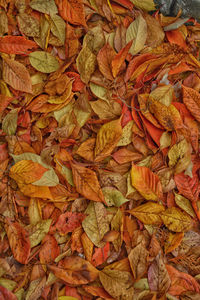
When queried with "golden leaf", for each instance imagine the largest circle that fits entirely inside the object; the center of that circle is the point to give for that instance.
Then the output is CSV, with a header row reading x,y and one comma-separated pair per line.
x,y
86,63
107,139
176,220
148,213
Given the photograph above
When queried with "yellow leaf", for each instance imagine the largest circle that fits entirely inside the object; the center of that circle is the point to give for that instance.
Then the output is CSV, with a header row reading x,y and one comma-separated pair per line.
x,y
173,241
179,156
148,213
164,94
176,220
147,5
107,139
137,31
9,124
66,298
86,63
184,204
43,61
126,137
44,6
96,224
146,182
58,27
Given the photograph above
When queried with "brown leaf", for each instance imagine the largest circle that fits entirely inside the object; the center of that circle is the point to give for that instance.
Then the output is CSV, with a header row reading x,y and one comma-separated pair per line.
x,y
104,59
158,276
138,260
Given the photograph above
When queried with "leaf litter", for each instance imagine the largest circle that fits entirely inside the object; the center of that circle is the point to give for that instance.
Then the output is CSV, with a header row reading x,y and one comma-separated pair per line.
x,y
99,151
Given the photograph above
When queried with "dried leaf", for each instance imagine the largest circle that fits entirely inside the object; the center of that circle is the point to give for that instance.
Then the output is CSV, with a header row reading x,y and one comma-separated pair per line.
x,y
113,197
45,6
16,75
43,61
18,240
16,45
27,171
107,139
86,183
148,213
72,11
58,27
86,63
117,283
75,270
146,182
96,224
176,220
9,124
137,31
158,276
138,260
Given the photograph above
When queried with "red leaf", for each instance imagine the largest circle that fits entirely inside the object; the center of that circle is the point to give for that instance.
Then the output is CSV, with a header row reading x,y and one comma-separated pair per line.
x,y
16,45
19,241
6,294
176,37
50,249
77,84
100,255
187,186
69,221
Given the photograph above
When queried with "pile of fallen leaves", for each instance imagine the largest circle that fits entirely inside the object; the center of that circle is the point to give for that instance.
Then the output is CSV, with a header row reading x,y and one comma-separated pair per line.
x,y
99,151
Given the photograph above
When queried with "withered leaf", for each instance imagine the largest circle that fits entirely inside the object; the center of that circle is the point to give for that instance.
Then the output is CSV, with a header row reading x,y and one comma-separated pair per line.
x,y
96,224
16,75
86,183
107,139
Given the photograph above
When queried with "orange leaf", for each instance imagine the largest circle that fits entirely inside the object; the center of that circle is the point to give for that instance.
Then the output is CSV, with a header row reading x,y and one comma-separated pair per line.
x,y
16,75
72,11
19,241
119,59
27,171
50,249
4,101
146,182
191,99
104,59
86,183
75,270
98,292
124,155
16,45
181,282
36,191
176,37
